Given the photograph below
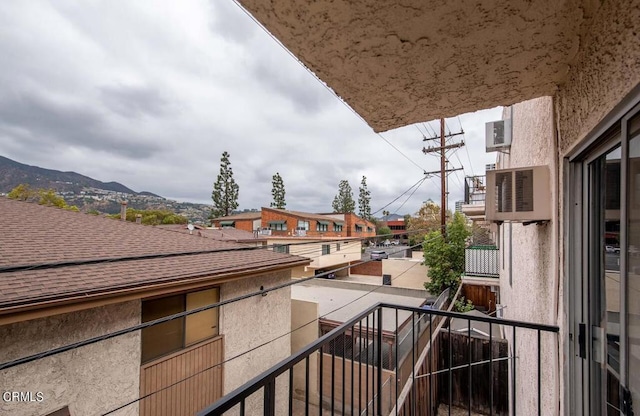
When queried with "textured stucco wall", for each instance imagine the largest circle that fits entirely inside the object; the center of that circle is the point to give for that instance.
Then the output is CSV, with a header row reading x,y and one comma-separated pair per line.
x,y
402,62
606,69
304,315
532,292
250,323
91,380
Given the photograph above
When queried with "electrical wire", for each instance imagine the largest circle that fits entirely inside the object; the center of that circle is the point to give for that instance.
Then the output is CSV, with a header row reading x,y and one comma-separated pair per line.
x,y
376,287
409,197
124,331
399,196
321,82
466,148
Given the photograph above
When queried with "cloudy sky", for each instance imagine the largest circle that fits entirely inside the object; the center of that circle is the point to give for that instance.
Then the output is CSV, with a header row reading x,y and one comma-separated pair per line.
x,y
150,94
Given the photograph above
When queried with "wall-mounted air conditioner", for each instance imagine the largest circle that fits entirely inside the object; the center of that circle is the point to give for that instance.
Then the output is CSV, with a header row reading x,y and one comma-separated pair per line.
x,y
519,194
498,135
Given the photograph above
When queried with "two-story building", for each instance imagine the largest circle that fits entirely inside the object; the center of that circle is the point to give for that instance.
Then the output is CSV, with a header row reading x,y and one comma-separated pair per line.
x,y
68,277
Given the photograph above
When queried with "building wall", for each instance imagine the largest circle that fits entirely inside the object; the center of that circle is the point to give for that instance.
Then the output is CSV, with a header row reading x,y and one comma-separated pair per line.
x,y
350,250
528,271
604,73
245,225
264,320
351,220
292,224
304,315
91,380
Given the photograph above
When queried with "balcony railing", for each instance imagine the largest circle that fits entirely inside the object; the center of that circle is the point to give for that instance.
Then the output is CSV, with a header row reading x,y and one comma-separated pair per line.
x,y
481,261
474,189
397,360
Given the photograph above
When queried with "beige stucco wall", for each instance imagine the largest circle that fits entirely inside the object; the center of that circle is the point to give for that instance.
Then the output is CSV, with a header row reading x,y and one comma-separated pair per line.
x,y
261,320
605,70
304,320
350,250
604,73
91,380
529,261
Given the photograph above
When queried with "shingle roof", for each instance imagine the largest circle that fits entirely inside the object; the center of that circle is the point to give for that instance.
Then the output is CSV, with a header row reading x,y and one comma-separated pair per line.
x,y
226,234
106,254
305,215
254,215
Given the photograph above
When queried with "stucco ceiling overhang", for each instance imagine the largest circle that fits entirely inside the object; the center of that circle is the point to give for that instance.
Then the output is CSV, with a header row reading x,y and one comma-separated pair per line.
x,y
400,62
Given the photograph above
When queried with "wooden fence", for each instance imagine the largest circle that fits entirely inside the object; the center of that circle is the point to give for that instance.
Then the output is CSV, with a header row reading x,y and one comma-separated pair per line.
x,y
480,380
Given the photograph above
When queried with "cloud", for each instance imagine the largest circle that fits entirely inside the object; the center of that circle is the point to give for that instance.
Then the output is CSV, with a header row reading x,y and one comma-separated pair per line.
x,y
44,120
151,94
134,102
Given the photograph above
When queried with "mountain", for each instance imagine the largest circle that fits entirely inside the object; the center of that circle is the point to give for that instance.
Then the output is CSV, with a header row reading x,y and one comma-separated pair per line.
x,y
91,195
13,173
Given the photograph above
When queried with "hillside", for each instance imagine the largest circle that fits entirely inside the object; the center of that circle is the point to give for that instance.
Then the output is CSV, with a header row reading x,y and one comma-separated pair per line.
x,y
89,194
13,173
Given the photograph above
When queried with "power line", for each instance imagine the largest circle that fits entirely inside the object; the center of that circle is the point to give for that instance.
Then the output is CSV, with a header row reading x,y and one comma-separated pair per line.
x,y
114,334
409,197
400,196
376,287
319,80
467,149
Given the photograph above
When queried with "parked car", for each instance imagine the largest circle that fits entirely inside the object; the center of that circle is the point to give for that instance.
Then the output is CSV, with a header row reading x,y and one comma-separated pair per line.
x,y
396,242
612,249
379,255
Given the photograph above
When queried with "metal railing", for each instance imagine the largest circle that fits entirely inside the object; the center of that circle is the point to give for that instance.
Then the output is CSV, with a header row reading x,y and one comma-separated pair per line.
x,y
474,189
445,367
481,261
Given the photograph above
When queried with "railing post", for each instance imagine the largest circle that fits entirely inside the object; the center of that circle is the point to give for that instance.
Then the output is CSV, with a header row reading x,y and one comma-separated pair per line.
x,y
379,361
270,398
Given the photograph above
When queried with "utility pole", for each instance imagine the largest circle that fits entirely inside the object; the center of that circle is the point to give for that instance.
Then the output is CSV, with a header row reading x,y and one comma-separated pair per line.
x,y
443,168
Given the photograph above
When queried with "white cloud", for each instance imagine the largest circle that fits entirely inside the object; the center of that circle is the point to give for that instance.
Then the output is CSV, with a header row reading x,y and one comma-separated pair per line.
x,y
150,94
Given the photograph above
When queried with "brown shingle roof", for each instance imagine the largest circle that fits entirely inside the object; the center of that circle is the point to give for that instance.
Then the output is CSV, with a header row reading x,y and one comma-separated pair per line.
x,y
255,215
33,235
225,234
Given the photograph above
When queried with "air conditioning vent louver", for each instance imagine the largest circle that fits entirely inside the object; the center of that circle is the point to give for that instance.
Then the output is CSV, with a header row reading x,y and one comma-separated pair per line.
x,y
524,190
504,187
520,194
498,135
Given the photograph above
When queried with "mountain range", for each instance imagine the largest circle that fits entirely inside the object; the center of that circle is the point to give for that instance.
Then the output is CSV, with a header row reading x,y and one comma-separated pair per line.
x,y
14,173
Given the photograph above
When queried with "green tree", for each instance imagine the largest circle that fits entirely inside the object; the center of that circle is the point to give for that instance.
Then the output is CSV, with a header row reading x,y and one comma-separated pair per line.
x,y
225,190
445,257
384,231
364,200
426,220
343,202
22,192
48,197
277,191
153,216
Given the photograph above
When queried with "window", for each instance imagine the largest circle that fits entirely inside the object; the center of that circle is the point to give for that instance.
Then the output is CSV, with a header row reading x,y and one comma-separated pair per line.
x,y
326,249
167,337
322,226
369,229
281,248
358,228
303,225
337,246
278,225
337,227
